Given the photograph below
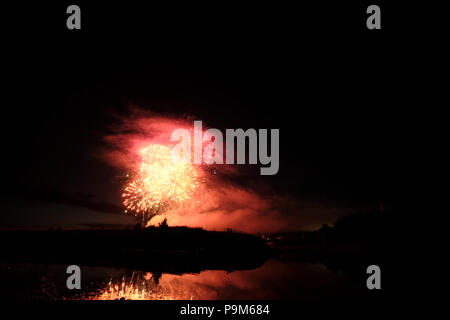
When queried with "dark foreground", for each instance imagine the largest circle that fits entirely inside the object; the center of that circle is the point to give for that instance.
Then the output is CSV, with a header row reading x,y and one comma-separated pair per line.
x,y
170,249
179,263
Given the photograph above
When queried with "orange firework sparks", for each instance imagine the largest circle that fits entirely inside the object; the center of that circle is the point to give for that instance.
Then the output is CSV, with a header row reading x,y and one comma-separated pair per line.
x,y
160,182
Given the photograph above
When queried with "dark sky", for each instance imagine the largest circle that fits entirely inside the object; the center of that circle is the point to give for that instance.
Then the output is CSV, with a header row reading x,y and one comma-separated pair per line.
x,y
332,91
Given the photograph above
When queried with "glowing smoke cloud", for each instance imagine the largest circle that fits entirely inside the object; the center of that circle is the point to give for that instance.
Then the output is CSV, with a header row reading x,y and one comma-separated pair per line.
x,y
207,196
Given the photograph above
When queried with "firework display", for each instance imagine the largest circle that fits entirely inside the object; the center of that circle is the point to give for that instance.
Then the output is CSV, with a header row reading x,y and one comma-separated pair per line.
x,y
160,182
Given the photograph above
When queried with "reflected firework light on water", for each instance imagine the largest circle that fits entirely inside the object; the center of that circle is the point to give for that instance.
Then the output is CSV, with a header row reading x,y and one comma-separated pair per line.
x,y
275,279
140,286
161,182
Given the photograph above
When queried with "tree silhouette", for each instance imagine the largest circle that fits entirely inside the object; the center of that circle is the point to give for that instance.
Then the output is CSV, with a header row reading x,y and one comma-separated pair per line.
x,y
163,223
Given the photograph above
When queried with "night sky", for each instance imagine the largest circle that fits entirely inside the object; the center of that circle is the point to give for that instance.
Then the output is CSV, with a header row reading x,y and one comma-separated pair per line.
x,y
332,93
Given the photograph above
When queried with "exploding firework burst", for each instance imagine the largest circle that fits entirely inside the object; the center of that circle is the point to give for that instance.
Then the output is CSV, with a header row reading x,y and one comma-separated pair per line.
x,y
160,182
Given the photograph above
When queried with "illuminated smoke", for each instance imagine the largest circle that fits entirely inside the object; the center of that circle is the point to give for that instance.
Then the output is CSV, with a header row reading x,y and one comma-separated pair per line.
x,y
219,197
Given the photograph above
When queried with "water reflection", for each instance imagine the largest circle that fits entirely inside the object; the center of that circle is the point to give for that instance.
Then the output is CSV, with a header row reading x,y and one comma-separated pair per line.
x,y
275,279
141,286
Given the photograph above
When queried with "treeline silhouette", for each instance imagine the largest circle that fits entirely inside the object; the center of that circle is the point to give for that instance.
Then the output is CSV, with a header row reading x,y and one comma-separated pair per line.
x,y
363,230
351,244
156,249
